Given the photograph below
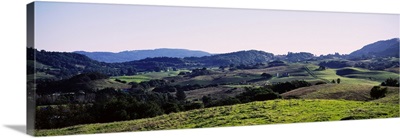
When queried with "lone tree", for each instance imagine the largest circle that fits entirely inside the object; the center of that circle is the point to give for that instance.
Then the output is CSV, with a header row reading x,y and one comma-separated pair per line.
x,y
180,95
333,81
338,80
378,92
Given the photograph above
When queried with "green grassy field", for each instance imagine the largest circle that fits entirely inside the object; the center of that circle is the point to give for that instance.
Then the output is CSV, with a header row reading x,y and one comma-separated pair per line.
x,y
147,76
330,74
379,76
255,113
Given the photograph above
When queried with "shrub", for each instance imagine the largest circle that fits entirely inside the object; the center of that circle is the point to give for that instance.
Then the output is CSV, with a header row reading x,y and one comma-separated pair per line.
x,y
390,82
266,75
378,92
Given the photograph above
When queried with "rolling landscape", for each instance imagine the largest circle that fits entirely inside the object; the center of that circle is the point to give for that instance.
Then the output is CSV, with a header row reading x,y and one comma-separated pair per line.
x,y
140,90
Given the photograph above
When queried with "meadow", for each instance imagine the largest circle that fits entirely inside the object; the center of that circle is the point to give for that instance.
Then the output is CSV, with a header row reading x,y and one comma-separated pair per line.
x,y
254,113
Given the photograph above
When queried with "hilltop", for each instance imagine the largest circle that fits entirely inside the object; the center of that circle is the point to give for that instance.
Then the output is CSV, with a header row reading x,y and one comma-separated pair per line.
x,y
383,48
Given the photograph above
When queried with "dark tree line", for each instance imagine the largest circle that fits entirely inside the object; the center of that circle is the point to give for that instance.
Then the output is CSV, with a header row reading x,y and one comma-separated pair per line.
x,y
391,82
74,84
112,105
283,87
116,105
249,95
335,64
301,56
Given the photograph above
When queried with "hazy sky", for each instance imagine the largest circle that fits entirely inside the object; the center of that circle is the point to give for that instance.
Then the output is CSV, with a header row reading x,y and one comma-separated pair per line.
x,y
102,27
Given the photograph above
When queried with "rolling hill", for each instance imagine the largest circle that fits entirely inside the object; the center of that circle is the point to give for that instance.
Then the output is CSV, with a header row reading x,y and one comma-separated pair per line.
x,y
125,56
66,64
239,57
384,48
254,113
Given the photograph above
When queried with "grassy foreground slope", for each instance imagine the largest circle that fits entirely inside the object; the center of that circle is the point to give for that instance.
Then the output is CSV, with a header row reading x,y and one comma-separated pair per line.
x,y
254,113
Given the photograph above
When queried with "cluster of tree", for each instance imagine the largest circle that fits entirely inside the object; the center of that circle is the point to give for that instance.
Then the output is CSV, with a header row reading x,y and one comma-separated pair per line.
x,y
331,56
244,66
283,87
240,57
76,83
276,63
297,57
266,76
378,64
378,92
157,64
391,82
113,105
110,105
199,72
250,95
335,64
196,72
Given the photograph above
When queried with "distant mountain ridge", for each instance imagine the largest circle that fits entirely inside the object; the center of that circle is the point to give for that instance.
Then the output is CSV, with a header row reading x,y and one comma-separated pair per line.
x,y
125,56
383,48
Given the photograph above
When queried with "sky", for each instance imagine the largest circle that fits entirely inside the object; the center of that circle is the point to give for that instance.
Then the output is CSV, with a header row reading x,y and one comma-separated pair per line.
x,y
71,27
